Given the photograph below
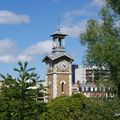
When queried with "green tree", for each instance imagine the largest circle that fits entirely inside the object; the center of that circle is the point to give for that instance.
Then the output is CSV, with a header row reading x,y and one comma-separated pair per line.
x,y
18,100
115,5
78,107
103,40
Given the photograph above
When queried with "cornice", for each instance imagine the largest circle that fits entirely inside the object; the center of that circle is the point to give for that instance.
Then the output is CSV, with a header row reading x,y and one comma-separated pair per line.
x,y
51,73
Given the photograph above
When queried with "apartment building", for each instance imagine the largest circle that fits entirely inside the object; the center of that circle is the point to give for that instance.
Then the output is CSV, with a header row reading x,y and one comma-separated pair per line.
x,y
89,74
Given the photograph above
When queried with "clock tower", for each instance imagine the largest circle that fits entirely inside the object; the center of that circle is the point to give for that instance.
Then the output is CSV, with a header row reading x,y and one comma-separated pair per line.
x,y
58,68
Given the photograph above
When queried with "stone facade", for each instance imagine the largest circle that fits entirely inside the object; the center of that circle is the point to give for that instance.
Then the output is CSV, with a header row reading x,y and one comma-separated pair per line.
x,y
50,86
58,68
65,79
56,78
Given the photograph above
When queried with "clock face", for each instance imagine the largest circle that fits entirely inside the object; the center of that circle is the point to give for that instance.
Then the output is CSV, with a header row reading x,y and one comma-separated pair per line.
x,y
63,65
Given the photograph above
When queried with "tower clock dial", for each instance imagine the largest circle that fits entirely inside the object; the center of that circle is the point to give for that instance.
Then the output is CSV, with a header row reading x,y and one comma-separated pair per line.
x,y
63,65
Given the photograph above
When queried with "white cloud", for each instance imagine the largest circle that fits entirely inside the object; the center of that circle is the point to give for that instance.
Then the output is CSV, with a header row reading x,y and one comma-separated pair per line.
x,y
8,49
6,44
12,59
9,53
8,17
24,58
72,16
39,48
74,30
98,3
7,59
74,21
78,12
72,24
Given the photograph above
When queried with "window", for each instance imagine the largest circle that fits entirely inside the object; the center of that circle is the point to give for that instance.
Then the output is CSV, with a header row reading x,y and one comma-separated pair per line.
x,y
62,86
89,89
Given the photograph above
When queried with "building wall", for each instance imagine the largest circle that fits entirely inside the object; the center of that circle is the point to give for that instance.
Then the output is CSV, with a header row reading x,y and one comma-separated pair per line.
x,y
63,78
50,86
56,76
80,75
89,74
74,67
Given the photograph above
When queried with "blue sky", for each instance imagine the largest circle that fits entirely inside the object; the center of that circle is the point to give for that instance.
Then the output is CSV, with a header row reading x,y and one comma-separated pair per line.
x,y
26,26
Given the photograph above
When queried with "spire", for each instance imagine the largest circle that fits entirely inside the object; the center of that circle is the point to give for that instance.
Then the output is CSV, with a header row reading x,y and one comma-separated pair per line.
x,y
58,24
58,40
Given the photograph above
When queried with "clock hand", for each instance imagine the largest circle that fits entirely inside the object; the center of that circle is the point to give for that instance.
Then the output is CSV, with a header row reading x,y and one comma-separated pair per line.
x,y
64,65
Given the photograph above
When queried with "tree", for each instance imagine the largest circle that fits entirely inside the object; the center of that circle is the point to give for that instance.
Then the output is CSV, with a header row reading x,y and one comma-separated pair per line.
x,y
78,107
18,99
103,41
115,5
64,108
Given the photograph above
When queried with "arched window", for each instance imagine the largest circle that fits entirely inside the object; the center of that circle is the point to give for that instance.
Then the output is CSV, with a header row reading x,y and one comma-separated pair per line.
x,y
62,85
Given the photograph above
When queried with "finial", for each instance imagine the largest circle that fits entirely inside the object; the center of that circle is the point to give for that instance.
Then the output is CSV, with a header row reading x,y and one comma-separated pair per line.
x,y
58,24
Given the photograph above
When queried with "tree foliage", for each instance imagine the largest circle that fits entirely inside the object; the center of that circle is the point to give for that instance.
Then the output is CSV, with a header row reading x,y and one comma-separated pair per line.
x,y
103,40
18,101
78,107
115,5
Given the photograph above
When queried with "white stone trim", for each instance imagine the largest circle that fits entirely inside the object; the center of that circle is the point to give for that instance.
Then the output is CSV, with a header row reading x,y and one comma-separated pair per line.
x,y
69,67
46,78
62,81
70,85
59,73
54,85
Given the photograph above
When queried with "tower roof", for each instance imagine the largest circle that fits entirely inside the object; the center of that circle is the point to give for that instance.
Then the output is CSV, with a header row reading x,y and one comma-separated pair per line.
x,y
56,56
58,34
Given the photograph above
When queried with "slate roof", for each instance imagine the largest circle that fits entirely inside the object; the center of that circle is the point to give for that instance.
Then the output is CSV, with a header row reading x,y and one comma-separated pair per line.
x,y
55,56
59,33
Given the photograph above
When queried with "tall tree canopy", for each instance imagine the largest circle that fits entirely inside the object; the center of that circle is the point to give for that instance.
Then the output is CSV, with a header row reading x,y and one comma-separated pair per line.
x,y
103,40
18,101
115,5
78,107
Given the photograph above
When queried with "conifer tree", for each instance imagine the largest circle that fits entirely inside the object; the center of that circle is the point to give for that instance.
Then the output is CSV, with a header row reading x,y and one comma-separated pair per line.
x,y
18,99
